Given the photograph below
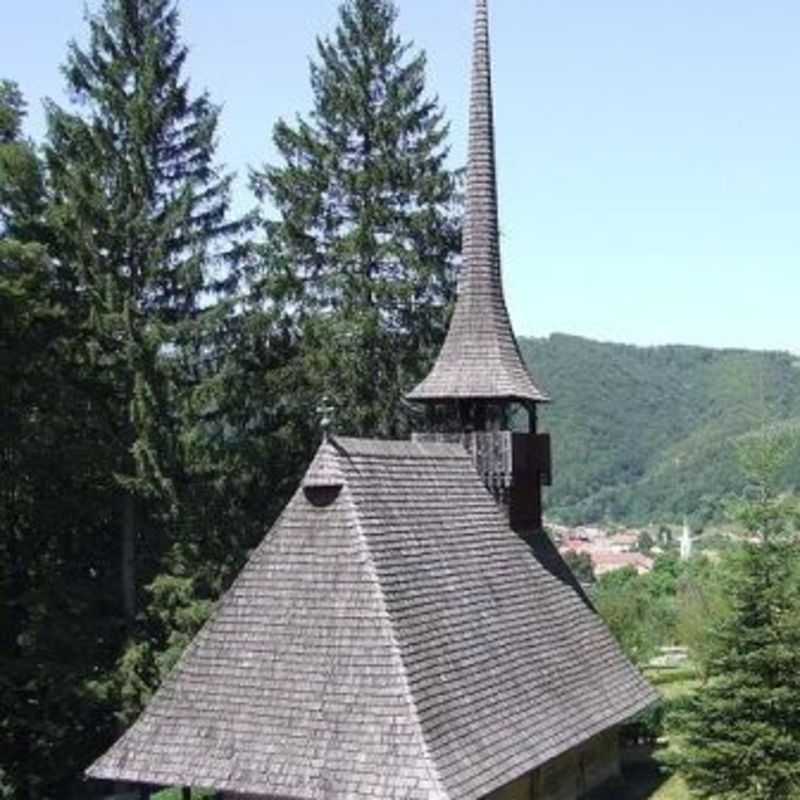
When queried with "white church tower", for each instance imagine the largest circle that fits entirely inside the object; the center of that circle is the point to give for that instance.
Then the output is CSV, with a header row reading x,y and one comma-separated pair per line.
x,y
686,542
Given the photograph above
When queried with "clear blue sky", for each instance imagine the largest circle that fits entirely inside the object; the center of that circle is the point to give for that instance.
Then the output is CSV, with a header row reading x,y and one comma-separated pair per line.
x,y
649,152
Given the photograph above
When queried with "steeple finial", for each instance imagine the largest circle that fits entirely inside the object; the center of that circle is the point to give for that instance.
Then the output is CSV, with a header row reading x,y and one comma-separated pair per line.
x,y
326,412
480,358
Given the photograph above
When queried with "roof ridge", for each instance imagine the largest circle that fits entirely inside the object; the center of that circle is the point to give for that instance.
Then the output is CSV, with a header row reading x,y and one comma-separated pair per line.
x,y
430,761
398,448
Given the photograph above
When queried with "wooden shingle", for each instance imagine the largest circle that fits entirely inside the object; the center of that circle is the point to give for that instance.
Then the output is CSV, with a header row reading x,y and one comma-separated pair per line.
x,y
378,645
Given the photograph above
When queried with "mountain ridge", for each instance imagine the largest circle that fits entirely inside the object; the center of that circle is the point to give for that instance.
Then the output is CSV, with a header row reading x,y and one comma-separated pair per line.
x,y
648,433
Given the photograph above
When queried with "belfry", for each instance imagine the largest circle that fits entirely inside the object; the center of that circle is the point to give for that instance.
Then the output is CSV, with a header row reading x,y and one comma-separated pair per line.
x,y
406,631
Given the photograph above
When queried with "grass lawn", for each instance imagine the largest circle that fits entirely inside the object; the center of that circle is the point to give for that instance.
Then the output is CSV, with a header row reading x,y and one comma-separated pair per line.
x,y
673,789
672,683
669,691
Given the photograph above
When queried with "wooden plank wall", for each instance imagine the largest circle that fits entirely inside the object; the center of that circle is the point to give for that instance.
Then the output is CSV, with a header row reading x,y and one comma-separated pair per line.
x,y
570,776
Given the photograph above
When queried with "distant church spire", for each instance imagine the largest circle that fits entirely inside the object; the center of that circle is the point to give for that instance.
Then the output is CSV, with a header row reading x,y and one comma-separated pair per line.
x,y
686,541
480,358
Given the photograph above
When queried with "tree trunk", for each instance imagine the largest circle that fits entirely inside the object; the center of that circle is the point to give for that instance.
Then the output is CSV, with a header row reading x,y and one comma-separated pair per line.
x,y
129,556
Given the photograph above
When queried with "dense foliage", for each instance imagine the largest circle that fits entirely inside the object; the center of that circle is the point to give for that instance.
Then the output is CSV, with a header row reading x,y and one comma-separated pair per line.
x,y
53,489
655,609
740,735
581,566
649,434
162,364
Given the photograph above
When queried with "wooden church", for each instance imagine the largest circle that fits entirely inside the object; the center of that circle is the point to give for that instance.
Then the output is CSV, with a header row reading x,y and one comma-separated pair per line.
x,y
406,631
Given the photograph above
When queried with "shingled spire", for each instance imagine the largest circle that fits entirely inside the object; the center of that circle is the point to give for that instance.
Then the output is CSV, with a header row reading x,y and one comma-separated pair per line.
x,y
480,377
480,358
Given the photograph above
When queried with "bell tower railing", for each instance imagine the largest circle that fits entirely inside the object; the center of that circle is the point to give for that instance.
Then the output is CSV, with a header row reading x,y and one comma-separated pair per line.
x,y
513,467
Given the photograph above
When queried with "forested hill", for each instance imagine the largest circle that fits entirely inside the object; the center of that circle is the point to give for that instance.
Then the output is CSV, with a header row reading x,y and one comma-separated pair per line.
x,y
648,434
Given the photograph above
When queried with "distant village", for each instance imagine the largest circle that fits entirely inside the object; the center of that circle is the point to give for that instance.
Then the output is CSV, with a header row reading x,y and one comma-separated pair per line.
x,y
611,549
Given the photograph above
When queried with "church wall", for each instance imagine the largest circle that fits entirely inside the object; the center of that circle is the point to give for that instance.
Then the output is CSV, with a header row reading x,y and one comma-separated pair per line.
x,y
520,789
600,761
559,779
570,776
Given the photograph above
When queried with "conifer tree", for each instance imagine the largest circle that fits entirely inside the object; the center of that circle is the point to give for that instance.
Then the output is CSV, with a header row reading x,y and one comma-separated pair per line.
x,y
739,737
21,174
361,259
141,213
54,628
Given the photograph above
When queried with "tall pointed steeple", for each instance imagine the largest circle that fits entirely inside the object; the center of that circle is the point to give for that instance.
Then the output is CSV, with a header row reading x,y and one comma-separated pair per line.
x,y
480,377
480,359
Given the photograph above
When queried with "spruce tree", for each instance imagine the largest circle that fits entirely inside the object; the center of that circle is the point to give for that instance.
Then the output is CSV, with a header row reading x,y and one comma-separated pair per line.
x,y
739,737
21,173
141,213
55,630
361,259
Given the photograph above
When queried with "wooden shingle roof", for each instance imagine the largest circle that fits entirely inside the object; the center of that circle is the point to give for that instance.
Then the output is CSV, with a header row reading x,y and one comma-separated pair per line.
x,y
480,357
390,638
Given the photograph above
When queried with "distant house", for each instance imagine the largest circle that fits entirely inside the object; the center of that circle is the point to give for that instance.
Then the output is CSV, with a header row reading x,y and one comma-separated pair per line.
x,y
406,630
606,555
608,562
624,541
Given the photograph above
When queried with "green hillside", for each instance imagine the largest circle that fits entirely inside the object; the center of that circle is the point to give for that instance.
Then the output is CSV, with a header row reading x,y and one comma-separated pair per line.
x,y
647,434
